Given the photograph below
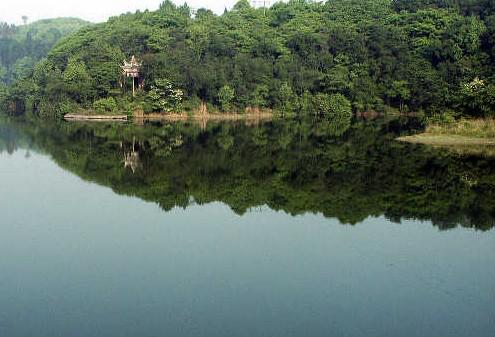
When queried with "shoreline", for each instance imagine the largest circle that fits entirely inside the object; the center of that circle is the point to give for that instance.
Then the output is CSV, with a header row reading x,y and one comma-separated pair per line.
x,y
172,117
208,116
200,116
463,136
86,117
427,138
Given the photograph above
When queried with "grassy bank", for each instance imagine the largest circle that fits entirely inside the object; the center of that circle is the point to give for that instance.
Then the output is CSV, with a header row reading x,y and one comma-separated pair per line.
x,y
470,128
139,115
460,133
207,116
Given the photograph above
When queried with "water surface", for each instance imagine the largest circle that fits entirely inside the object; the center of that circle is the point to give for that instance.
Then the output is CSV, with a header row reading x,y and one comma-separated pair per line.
x,y
277,229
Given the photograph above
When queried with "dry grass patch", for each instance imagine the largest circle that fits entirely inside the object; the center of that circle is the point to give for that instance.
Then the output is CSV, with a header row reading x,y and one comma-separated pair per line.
x,y
473,128
447,140
466,136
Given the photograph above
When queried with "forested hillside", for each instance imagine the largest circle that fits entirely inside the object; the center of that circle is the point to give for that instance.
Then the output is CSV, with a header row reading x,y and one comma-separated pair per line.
x,y
300,57
21,47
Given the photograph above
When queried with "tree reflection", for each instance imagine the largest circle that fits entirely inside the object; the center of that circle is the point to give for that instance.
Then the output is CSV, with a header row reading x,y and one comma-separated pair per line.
x,y
348,171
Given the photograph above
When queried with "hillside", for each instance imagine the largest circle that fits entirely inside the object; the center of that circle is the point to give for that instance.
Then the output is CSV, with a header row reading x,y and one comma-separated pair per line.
x,y
22,46
296,57
42,28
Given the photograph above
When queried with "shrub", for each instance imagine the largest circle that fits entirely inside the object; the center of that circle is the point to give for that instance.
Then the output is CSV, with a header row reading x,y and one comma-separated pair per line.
x,y
333,105
192,104
55,109
260,96
225,97
307,103
285,98
130,107
322,104
105,105
445,118
163,97
3,96
340,106
477,98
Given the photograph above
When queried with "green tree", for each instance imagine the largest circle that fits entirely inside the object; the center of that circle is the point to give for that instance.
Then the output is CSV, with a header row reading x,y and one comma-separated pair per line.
x,y
400,91
163,97
477,98
105,105
285,98
78,81
23,68
3,74
226,96
336,105
414,55
340,106
261,95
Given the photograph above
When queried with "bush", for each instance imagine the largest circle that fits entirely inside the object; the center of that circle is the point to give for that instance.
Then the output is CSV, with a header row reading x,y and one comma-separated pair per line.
x,y
333,105
322,104
3,96
340,106
445,118
130,107
285,98
477,98
163,97
307,103
105,105
225,97
260,96
192,104
55,109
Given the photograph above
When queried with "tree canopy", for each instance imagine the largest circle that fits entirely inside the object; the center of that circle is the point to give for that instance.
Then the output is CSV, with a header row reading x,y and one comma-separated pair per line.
x,y
378,54
21,47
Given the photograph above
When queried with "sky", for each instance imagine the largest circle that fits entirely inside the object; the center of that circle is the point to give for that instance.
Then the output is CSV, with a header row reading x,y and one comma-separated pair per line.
x,y
11,11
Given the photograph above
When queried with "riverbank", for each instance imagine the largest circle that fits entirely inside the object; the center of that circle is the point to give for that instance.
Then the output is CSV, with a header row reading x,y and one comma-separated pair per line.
x,y
173,117
90,117
207,116
464,132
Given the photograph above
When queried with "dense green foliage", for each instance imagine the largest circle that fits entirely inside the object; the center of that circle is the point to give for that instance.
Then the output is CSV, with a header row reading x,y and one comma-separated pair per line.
x,y
163,97
22,46
431,55
297,166
105,105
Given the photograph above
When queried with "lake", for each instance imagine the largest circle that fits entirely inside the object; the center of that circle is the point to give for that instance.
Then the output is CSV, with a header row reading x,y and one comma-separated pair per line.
x,y
278,228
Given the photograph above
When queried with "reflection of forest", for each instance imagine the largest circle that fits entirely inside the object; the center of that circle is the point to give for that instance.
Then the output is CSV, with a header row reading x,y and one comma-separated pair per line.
x,y
294,166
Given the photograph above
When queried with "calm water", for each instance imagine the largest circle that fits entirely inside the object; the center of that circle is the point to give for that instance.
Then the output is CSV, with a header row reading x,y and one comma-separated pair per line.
x,y
276,229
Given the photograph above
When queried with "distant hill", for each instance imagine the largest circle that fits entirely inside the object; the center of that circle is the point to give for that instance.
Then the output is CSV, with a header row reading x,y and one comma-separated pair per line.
x,y
42,28
22,46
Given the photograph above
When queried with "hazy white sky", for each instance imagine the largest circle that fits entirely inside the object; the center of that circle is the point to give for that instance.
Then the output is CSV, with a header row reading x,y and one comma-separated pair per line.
x,y
92,10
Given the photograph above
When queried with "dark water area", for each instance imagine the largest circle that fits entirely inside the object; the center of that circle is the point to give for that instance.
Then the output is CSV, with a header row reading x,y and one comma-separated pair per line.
x,y
279,228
